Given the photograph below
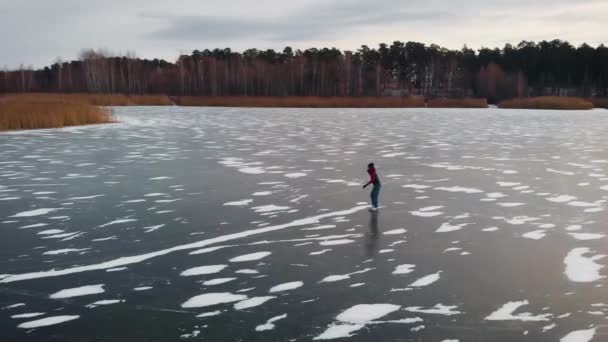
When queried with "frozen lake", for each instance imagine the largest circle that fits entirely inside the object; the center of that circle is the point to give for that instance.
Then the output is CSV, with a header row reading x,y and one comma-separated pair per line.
x,y
251,225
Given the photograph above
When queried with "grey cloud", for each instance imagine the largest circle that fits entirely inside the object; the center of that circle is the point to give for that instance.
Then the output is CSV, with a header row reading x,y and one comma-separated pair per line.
x,y
322,23
35,31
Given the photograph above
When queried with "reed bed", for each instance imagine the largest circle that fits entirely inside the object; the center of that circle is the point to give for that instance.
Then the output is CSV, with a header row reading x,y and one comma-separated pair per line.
x,y
458,103
599,102
301,101
548,102
34,111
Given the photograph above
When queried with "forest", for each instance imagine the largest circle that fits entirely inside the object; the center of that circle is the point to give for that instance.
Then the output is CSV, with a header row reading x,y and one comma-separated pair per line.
x,y
405,69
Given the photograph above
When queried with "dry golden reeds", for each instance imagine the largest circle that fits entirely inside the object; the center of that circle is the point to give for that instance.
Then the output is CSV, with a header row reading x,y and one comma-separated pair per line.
x,y
30,111
300,101
548,102
599,102
458,103
125,100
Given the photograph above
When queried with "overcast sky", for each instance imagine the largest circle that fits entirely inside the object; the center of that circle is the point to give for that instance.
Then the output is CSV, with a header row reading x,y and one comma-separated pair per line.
x,y
36,32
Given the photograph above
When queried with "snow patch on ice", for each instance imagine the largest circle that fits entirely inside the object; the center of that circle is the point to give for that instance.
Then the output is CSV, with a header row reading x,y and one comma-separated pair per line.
x,y
404,269
217,281
535,235
439,309
268,325
252,302
426,213
505,313
47,321
395,231
78,291
65,251
586,236
36,212
448,227
426,280
295,175
240,203
460,189
581,269
28,315
209,299
250,257
561,198
286,286
579,336
117,222
269,208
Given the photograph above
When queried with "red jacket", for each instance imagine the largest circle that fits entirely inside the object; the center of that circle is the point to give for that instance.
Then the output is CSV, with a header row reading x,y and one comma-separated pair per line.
x,y
373,176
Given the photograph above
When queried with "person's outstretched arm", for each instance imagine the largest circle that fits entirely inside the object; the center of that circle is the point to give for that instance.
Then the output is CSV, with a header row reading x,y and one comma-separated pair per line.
x,y
372,178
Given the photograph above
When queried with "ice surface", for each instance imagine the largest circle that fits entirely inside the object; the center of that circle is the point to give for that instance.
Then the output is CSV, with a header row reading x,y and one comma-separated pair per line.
x,y
286,286
203,270
209,314
426,213
439,309
535,235
579,336
340,331
364,313
334,278
117,222
123,261
356,318
65,251
336,242
395,231
36,212
247,271
268,325
242,202
295,175
47,321
143,288
209,299
28,315
562,198
269,208
84,197
250,257
582,269
323,251
404,269
12,306
217,281
78,291
252,302
50,231
105,302
188,144
426,280
460,189
448,227
34,225
416,186
510,204
505,313
586,236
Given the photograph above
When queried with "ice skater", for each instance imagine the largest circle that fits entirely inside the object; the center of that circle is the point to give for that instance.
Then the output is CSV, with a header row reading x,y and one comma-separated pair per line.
x,y
375,181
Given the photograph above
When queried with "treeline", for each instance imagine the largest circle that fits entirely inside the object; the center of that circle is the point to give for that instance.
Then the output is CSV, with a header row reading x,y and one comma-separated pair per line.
x,y
554,68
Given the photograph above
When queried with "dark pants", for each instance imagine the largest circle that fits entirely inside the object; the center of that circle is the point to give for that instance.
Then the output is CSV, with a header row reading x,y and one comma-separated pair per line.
x,y
374,195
